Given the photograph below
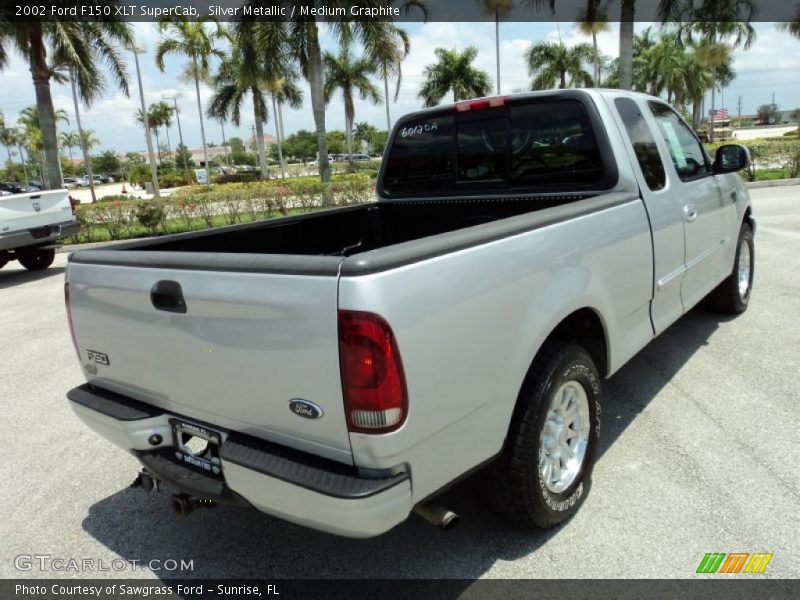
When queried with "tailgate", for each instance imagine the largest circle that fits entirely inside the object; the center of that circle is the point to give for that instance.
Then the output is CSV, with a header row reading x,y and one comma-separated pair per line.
x,y
246,345
22,212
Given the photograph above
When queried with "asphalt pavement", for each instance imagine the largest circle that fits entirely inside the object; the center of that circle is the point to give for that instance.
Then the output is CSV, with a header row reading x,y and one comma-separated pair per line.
x,y
699,454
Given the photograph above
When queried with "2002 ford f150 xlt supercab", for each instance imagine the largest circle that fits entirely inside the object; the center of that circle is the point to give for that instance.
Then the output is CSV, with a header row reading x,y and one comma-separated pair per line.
x,y
340,369
31,222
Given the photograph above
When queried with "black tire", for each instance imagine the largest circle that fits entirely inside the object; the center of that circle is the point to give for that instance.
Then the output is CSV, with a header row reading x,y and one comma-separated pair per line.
x,y
727,297
3,258
514,482
36,259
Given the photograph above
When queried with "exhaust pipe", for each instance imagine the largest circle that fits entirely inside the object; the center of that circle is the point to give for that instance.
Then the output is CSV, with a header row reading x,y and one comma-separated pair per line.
x,y
437,515
183,504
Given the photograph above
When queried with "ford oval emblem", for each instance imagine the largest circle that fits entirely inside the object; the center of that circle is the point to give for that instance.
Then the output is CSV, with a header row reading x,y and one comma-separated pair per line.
x,y
304,408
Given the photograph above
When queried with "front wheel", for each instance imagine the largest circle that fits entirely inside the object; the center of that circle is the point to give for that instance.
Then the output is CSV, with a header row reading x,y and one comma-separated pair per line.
x,y
543,474
36,259
733,295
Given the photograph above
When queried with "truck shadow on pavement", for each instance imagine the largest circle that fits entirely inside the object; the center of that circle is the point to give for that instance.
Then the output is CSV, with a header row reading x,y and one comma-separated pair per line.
x,y
14,277
232,542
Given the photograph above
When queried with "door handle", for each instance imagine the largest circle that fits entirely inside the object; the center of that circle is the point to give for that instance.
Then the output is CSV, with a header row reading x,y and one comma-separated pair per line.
x,y
167,295
689,213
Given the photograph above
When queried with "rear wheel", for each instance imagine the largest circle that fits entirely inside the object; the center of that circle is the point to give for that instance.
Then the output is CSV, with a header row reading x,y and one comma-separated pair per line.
x,y
542,476
36,259
733,295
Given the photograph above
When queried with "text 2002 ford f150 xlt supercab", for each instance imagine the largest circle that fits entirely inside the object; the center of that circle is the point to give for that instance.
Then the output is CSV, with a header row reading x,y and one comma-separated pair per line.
x,y
339,369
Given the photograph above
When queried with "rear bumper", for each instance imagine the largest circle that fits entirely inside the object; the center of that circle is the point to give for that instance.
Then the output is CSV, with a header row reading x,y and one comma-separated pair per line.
x,y
39,236
280,481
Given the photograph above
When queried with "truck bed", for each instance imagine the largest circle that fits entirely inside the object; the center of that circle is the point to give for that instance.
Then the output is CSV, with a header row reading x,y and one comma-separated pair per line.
x,y
316,243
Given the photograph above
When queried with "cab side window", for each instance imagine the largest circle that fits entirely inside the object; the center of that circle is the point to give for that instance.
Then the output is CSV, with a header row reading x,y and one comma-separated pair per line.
x,y
643,142
686,152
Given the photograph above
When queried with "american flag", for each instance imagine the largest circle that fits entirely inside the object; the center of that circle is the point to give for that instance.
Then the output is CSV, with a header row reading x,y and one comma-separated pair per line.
x,y
720,114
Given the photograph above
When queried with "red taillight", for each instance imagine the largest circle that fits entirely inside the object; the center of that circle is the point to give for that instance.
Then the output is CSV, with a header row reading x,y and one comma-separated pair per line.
x,y
481,103
69,319
72,205
373,383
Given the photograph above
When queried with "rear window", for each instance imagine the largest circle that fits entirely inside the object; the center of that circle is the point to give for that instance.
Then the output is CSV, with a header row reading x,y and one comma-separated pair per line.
x,y
535,144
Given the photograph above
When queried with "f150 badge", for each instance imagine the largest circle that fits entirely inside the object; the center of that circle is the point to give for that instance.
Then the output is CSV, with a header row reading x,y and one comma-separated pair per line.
x,y
99,357
304,408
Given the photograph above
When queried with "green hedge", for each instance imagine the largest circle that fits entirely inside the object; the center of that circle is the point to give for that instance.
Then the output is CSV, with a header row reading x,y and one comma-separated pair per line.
x,y
204,206
768,154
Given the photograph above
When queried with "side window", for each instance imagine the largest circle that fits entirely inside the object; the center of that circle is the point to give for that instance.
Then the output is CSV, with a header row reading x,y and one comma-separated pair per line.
x,y
686,152
644,144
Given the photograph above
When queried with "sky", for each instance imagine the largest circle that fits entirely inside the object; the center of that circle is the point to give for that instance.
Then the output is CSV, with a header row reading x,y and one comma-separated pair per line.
x,y
770,66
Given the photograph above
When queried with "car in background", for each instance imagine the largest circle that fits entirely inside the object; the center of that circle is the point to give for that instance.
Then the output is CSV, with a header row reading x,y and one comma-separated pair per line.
x,y
362,157
71,182
13,187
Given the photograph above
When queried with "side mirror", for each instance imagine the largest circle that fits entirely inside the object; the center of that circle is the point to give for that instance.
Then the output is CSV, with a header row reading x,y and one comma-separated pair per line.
x,y
731,158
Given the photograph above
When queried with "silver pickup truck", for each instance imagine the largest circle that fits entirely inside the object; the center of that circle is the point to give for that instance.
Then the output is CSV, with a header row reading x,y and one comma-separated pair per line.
x,y
340,369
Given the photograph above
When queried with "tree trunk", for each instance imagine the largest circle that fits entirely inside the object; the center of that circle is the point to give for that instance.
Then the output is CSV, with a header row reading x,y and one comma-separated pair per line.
x,y
386,98
158,145
596,60
696,112
497,45
626,45
200,114
71,161
349,117
10,161
262,155
148,139
44,101
278,135
22,159
280,120
316,83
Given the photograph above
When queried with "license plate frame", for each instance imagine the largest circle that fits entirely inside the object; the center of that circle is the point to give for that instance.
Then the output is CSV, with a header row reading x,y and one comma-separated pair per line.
x,y
207,461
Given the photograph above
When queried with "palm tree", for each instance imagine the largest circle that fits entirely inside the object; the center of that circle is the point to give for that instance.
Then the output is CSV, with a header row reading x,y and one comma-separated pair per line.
x,y
793,26
80,46
554,64
730,29
70,140
304,34
499,9
161,114
89,140
9,137
149,121
592,24
350,75
34,140
389,62
454,72
239,76
283,90
194,40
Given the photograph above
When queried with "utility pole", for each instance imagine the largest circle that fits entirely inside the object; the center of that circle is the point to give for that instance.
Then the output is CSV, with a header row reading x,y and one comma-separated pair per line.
x,y
87,160
740,107
153,170
184,149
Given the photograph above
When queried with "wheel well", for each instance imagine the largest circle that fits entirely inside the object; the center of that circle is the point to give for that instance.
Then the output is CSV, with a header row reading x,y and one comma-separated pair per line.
x,y
748,216
584,327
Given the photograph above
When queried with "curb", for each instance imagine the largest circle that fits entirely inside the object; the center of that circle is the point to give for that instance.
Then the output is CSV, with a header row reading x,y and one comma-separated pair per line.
x,y
772,183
